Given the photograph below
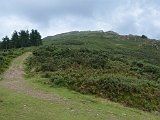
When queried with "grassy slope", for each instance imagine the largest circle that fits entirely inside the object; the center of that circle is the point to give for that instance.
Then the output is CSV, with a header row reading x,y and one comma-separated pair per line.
x,y
134,48
141,48
12,105
18,106
98,40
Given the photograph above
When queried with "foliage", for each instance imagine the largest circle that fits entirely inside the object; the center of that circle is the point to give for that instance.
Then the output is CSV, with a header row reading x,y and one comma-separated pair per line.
x,y
85,107
124,69
53,58
6,56
139,93
21,39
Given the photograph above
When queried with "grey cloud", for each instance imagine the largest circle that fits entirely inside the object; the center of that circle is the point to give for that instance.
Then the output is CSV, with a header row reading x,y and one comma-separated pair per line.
x,y
55,16
43,10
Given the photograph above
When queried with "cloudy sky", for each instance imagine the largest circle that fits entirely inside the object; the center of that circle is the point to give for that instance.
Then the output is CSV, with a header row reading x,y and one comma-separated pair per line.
x,y
57,16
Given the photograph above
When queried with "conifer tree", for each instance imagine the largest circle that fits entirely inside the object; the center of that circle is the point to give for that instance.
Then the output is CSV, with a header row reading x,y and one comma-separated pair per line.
x,y
21,39
5,43
15,40
35,38
24,38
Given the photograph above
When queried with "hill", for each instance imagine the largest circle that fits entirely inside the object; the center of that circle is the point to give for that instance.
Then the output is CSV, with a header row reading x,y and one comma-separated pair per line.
x,y
124,69
27,98
141,47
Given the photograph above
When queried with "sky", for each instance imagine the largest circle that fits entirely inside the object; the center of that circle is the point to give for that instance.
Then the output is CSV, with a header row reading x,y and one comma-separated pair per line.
x,y
52,17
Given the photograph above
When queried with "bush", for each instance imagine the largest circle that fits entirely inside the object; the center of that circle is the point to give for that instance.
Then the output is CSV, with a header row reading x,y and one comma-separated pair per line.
x,y
52,58
142,94
133,82
57,81
145,68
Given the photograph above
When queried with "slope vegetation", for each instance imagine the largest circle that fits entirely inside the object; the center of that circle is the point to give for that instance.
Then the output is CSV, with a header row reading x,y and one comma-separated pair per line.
x,y
124,69
20,99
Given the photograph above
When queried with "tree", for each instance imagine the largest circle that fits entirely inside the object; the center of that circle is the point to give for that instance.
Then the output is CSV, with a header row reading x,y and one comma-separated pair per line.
x,y
21,39
15,40
5,43
0,45
35,38
38,38
24,38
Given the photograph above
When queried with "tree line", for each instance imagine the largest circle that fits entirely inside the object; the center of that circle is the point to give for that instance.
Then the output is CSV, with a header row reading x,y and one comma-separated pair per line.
x,y
24,38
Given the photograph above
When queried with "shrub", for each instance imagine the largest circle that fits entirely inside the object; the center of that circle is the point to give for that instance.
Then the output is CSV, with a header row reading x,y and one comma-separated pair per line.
x,y
142,94
52,58
57,81
108,74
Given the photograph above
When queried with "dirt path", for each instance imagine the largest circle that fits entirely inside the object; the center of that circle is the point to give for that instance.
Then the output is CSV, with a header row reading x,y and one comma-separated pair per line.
x,y
14,80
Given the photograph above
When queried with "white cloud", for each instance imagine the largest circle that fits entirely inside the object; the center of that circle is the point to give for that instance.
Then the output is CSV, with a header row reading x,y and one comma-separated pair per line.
x,y
10,23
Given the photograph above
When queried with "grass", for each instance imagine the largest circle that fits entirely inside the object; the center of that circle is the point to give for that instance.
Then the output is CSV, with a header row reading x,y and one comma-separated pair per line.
x,y
96,40
91,107
132,46
18,106
6,56
75,106
88,71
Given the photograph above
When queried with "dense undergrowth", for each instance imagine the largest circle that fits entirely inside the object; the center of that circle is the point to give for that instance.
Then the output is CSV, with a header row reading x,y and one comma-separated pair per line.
x,y
119,76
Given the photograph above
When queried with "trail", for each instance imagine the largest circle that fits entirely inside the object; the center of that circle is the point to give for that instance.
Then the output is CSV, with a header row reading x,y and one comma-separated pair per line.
x,y
13,79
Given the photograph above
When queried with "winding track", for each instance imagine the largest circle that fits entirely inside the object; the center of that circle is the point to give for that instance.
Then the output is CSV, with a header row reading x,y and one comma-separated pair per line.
x,y
13,79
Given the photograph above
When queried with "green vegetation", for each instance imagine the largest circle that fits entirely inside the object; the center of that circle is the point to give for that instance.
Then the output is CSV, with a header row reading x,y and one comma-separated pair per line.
x,y
124,69
83,71
21,39
65,104
11,48
76,107
7,55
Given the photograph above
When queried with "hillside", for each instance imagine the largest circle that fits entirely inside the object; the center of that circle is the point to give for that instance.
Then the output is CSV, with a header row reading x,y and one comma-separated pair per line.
x,y
124,69
100,40
79,74
147,49
29,99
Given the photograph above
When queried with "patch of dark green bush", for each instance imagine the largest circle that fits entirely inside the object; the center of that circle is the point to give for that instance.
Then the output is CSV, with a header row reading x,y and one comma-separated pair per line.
x,y
116,75
57,81
138,93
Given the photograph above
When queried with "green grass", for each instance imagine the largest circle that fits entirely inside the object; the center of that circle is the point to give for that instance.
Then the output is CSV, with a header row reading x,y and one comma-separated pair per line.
x,y
97,40
6,56
132,46
99,72
92,107
17,106
105,54
20,107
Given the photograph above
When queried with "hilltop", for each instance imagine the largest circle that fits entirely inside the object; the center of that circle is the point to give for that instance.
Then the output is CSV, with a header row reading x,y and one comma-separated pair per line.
x,y
102,40
142,48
